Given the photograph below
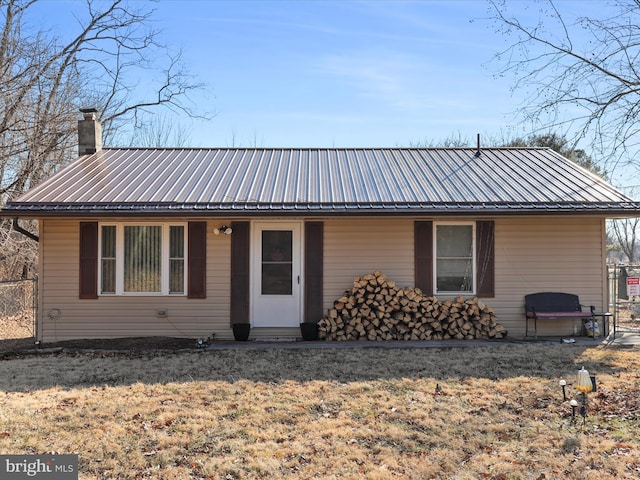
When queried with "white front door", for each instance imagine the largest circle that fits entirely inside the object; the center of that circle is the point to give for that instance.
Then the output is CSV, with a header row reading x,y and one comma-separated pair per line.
x,y
276,282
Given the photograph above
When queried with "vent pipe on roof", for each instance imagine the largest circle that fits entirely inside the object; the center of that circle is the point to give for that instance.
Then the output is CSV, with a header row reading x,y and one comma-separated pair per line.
x,y
478,152
89,132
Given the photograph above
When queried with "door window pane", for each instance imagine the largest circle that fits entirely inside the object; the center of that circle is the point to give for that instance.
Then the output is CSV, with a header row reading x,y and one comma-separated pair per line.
x,y
142,258
454,258
277,262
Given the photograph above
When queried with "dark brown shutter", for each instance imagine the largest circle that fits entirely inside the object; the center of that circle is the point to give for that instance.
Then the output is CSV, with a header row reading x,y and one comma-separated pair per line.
x,y
485,257
240,272
88,260
197,260
423,253
313,271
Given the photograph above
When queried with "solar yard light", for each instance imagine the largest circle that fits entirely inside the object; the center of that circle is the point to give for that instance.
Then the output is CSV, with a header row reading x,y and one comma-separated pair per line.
x,y
563,384
584,384
573,404
583,381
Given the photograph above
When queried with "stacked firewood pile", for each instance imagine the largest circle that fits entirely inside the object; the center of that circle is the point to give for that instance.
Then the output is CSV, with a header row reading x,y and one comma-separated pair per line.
x,y
377,309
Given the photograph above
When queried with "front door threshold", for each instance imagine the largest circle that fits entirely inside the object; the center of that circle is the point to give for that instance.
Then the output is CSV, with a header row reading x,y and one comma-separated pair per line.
x,y
278,339
284,334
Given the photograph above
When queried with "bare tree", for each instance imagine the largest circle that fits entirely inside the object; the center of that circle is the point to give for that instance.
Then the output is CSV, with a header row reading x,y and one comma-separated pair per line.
x,y
452,141
109,59
44,80
155,131
581,74
624,236
17,252
581,77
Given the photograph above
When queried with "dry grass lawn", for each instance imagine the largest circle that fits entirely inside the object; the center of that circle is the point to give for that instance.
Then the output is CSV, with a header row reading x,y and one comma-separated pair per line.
x,y
463,413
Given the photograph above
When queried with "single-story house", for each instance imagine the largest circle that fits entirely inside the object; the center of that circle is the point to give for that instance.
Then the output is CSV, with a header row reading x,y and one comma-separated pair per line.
x,y
187,242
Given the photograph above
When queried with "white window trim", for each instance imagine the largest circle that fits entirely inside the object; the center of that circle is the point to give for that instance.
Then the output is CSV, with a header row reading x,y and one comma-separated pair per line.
x,y
164,260
474,253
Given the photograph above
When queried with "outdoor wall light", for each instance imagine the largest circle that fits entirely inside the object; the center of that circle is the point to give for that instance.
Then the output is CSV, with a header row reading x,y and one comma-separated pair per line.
x,y
227,230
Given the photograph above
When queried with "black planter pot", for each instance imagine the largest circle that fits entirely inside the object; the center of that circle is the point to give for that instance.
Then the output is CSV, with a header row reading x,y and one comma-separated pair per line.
x,y
241,331
309,331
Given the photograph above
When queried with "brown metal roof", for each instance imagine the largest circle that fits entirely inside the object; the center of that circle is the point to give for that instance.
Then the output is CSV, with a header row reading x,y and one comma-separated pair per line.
x,y
275,181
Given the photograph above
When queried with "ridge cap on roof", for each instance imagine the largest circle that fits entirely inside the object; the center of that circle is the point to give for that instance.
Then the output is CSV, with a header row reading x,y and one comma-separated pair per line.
x,y
474,148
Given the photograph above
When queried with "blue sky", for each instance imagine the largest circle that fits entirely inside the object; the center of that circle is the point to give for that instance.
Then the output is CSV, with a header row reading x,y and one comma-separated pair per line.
x,y
340,73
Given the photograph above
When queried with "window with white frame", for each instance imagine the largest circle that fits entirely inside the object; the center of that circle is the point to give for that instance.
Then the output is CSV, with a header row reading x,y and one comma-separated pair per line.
x,y
142,258
454,253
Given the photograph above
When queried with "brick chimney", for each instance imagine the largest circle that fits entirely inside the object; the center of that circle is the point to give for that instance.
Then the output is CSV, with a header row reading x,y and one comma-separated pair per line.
x,y
89,132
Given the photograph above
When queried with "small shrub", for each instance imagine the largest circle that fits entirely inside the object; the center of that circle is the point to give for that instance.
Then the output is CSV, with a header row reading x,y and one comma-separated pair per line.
x,y
570,445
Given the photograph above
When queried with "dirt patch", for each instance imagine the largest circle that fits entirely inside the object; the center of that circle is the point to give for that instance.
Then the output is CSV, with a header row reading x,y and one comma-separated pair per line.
x,y
16,336
9,347
130,343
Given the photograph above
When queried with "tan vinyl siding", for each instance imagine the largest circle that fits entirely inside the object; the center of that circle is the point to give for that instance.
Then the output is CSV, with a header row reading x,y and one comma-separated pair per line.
x,y
121,316
533,254
355,247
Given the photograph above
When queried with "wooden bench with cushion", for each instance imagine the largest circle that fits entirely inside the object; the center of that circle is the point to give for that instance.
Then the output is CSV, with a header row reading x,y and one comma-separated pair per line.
x,y
554,305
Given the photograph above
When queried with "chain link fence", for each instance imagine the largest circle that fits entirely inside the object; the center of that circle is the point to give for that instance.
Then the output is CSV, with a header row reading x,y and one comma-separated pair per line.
x,y
624,294
18,308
